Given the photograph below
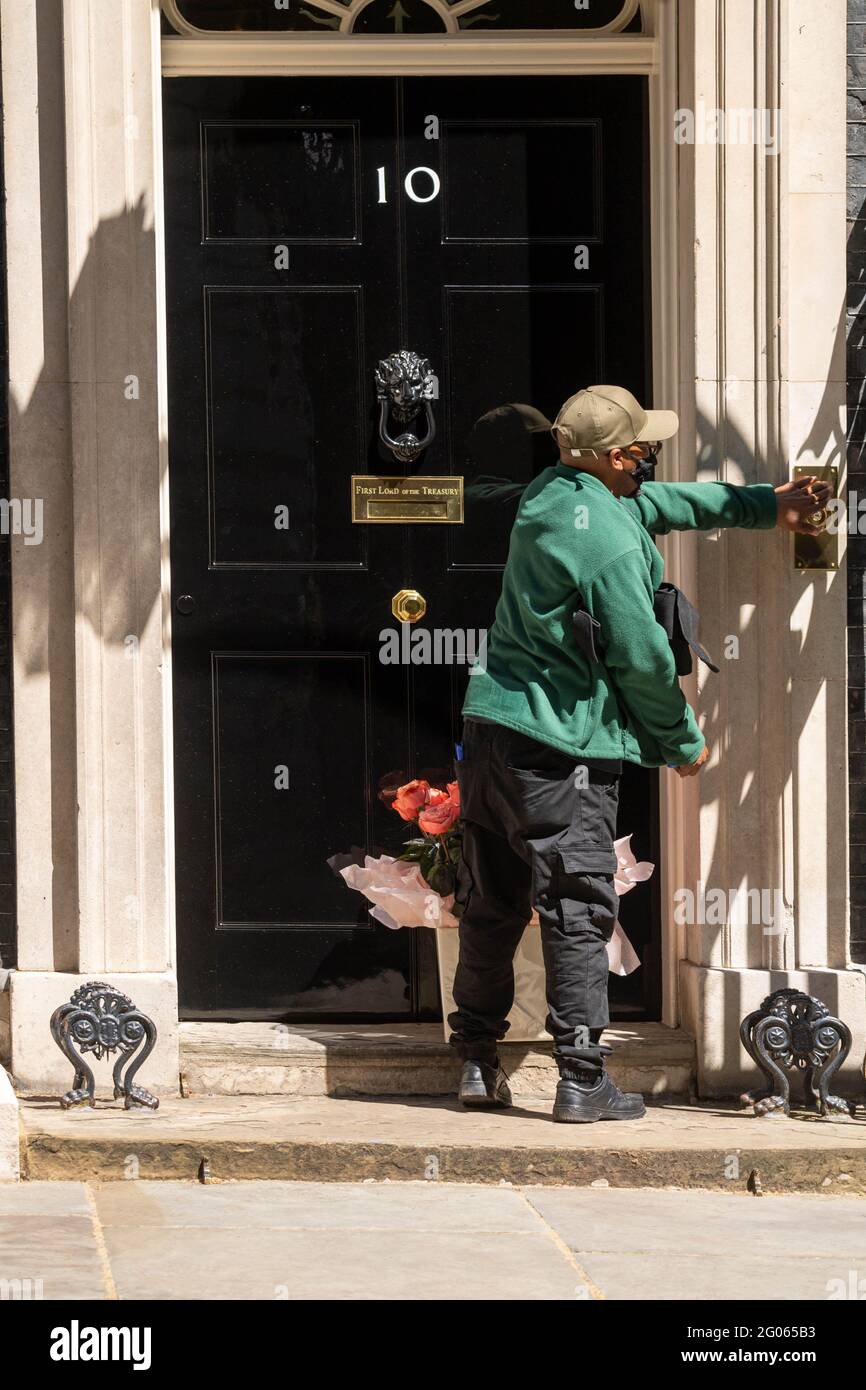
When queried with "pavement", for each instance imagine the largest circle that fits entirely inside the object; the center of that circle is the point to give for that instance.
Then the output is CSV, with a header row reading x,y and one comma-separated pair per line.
x,y
331,1139
422,1241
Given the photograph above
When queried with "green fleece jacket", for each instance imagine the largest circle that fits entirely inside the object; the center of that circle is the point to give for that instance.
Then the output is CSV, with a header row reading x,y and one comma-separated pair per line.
x,y
573,538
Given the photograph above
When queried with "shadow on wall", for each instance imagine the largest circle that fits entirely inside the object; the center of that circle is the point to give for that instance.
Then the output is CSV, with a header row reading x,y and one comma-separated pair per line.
x,y
48,416
84,394
749,799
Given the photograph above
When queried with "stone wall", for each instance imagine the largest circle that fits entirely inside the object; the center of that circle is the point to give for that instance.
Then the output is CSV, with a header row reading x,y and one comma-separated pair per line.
x,y
7,839
856,434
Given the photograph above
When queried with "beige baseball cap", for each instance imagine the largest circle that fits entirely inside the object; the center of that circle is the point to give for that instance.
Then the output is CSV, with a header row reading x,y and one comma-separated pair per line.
x,y
601,418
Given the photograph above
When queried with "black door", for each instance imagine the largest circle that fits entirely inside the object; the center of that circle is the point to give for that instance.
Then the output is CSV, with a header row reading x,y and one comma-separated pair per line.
x,y
314,226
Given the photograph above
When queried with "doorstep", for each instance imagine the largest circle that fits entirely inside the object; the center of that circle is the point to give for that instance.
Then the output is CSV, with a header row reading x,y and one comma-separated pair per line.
x,y
325,1139
270,1059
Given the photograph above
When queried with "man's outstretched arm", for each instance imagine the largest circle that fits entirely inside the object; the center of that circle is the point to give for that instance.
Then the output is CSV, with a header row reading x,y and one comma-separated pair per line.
x,y
664,507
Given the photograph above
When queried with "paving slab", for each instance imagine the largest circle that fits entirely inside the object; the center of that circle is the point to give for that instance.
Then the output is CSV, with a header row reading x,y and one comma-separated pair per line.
x,y
708,1245
404,1139
741,1277
58,1199
280,1241
704,1223
292,1241
49,1248
317,1206
338,1264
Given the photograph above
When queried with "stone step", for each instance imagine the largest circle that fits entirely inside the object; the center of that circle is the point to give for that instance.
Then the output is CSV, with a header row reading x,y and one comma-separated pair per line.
x,y
325,1139
267,1059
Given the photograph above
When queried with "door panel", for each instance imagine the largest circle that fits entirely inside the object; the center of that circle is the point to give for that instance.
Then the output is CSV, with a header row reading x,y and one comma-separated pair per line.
x,y
278,448
282,689
281,181
557,163
298,256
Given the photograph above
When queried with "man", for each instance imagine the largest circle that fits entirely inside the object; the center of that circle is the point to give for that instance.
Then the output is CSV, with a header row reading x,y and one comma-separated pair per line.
x,y
548,725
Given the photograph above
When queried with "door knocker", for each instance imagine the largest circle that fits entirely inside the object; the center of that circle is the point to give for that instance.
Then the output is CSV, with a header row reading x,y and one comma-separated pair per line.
x,y
405,387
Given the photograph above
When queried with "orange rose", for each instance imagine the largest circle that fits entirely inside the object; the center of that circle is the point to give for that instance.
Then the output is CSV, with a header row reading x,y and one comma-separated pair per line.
x,y
411,799
442,811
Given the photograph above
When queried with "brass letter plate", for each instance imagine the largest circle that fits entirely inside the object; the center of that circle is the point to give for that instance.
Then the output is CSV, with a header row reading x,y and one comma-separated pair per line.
x,y
407,501
817,552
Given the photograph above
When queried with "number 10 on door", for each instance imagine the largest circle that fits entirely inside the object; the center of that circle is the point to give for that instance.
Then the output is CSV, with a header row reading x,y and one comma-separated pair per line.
x,y
421,174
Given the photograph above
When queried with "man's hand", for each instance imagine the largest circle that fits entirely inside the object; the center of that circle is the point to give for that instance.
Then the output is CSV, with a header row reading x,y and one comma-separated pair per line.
x,y
797,500
692,769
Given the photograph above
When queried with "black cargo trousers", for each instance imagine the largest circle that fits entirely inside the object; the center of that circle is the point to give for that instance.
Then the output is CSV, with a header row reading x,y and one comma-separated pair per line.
x,y
538,829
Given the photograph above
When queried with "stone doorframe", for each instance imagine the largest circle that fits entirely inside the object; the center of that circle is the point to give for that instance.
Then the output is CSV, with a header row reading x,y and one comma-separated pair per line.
x,y
746,346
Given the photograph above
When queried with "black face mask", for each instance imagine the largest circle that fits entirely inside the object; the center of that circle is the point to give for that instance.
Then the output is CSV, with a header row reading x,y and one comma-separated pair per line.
x,y
645,472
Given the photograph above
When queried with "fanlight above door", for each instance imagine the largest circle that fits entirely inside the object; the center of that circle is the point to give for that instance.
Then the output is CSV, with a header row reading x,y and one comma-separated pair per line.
x,y
398,16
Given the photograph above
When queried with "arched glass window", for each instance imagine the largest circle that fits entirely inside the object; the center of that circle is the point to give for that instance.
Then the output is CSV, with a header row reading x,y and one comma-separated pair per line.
x,y
397,16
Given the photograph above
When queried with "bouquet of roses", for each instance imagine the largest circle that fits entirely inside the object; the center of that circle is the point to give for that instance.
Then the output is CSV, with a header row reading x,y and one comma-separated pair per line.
x,y
436,812
415,889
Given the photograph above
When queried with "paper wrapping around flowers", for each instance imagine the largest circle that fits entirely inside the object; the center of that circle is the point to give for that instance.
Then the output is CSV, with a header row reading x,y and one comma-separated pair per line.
x,y
399,894
402,898
622,956
529,1011
628,871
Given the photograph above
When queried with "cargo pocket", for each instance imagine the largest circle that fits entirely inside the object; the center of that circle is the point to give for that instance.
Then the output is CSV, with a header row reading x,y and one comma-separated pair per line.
x,y
584,874
586,859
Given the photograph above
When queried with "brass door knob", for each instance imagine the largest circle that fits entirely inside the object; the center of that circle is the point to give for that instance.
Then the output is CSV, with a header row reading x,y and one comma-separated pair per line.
x,y
408,606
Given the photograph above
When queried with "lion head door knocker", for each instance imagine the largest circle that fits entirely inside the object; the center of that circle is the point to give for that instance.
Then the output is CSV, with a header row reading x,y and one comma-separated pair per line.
x,y
101,1020
405,387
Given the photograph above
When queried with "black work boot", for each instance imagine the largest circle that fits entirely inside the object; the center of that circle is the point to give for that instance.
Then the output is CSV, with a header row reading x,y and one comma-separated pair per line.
x,y
582,1097
483,1083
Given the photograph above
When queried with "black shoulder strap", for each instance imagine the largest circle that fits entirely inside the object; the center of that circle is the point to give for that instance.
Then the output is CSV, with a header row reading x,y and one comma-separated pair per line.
x,y
585,628
677,616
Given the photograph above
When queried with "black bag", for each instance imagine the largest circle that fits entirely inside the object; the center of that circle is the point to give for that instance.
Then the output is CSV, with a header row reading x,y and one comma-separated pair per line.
x,y
681,622
674,613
